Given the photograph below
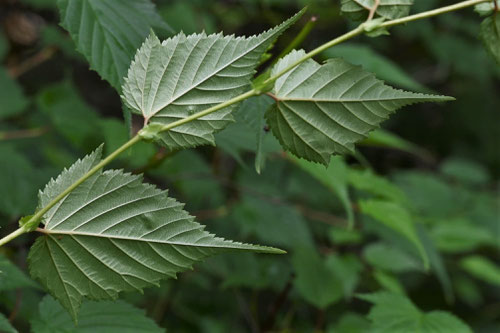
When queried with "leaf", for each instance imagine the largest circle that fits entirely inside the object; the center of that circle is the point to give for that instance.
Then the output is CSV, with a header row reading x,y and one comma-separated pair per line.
x,y
109,32
482,268
383,138
11,277
316,282
490,35
357,10
184,75
19,179
350,323
368,181
384,68
388,282
459,236
95,317
465,171
114,233
390,258
5,325
79,125
396,218
13,100
395,313
325,109
334,177
347,269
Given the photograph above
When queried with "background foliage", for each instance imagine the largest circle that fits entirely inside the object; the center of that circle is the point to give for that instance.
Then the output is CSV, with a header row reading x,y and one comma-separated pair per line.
x,y
424,199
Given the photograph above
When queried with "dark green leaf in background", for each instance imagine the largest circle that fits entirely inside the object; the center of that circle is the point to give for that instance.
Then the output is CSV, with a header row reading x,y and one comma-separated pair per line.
x,y
108,33
490,35
357,10
13,99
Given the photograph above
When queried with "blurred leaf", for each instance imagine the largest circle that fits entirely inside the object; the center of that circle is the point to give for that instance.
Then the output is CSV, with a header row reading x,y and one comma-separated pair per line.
x,y
368,181
334,177
347,268
458,236
386,139
11,96
146,233
11,277
5,325
325,109
482,268
188,17
394,313
437,264
19,183
315,280
384,68
490,35
468,291
350,323
342,236
465,171
398,219
485,8
108,33
70,115
390,258
357,10
388,282
95,317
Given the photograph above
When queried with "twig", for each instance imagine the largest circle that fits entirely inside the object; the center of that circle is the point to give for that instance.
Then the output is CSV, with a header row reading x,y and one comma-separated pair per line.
x,y
274,309
23,134
30,63
373,10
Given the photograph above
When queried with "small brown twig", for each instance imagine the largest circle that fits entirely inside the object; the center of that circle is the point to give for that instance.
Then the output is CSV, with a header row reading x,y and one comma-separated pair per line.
x,y
373,10
23,134
276,306
30,63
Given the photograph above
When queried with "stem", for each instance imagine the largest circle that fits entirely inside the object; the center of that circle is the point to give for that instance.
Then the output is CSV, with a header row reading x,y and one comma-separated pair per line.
x,y
217,107
254,92
12,235
297,41
431,13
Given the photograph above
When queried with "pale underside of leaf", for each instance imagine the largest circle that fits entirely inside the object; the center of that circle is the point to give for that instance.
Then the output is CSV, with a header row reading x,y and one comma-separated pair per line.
x,y
183,75
108,32
390,9
324,109
114,233
490,35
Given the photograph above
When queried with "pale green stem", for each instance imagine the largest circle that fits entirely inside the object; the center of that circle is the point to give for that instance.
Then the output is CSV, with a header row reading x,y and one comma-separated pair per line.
x,y
433,12
30,224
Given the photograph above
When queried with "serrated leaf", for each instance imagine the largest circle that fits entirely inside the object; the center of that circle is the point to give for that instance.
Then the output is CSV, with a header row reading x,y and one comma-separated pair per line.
x,y
395,313
95,317
358,10
396,218
324,109
390,258
490,35
183,75
114,233
109,32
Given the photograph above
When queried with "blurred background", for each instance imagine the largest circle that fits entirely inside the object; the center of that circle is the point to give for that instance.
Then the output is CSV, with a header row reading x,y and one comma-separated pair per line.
x,y
440,161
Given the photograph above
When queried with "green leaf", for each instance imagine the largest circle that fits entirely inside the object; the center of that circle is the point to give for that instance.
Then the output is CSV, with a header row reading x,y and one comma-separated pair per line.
x,y
11,277
368,181
5,325
109,32
334,177
347,269
485,8
77,126
357,10
459,236
316,281
114,233
184,75
394,313
95,317
482,268
350,323
11,95
325,109
390,258
490,35
383,138
388,281
396,218
465,171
